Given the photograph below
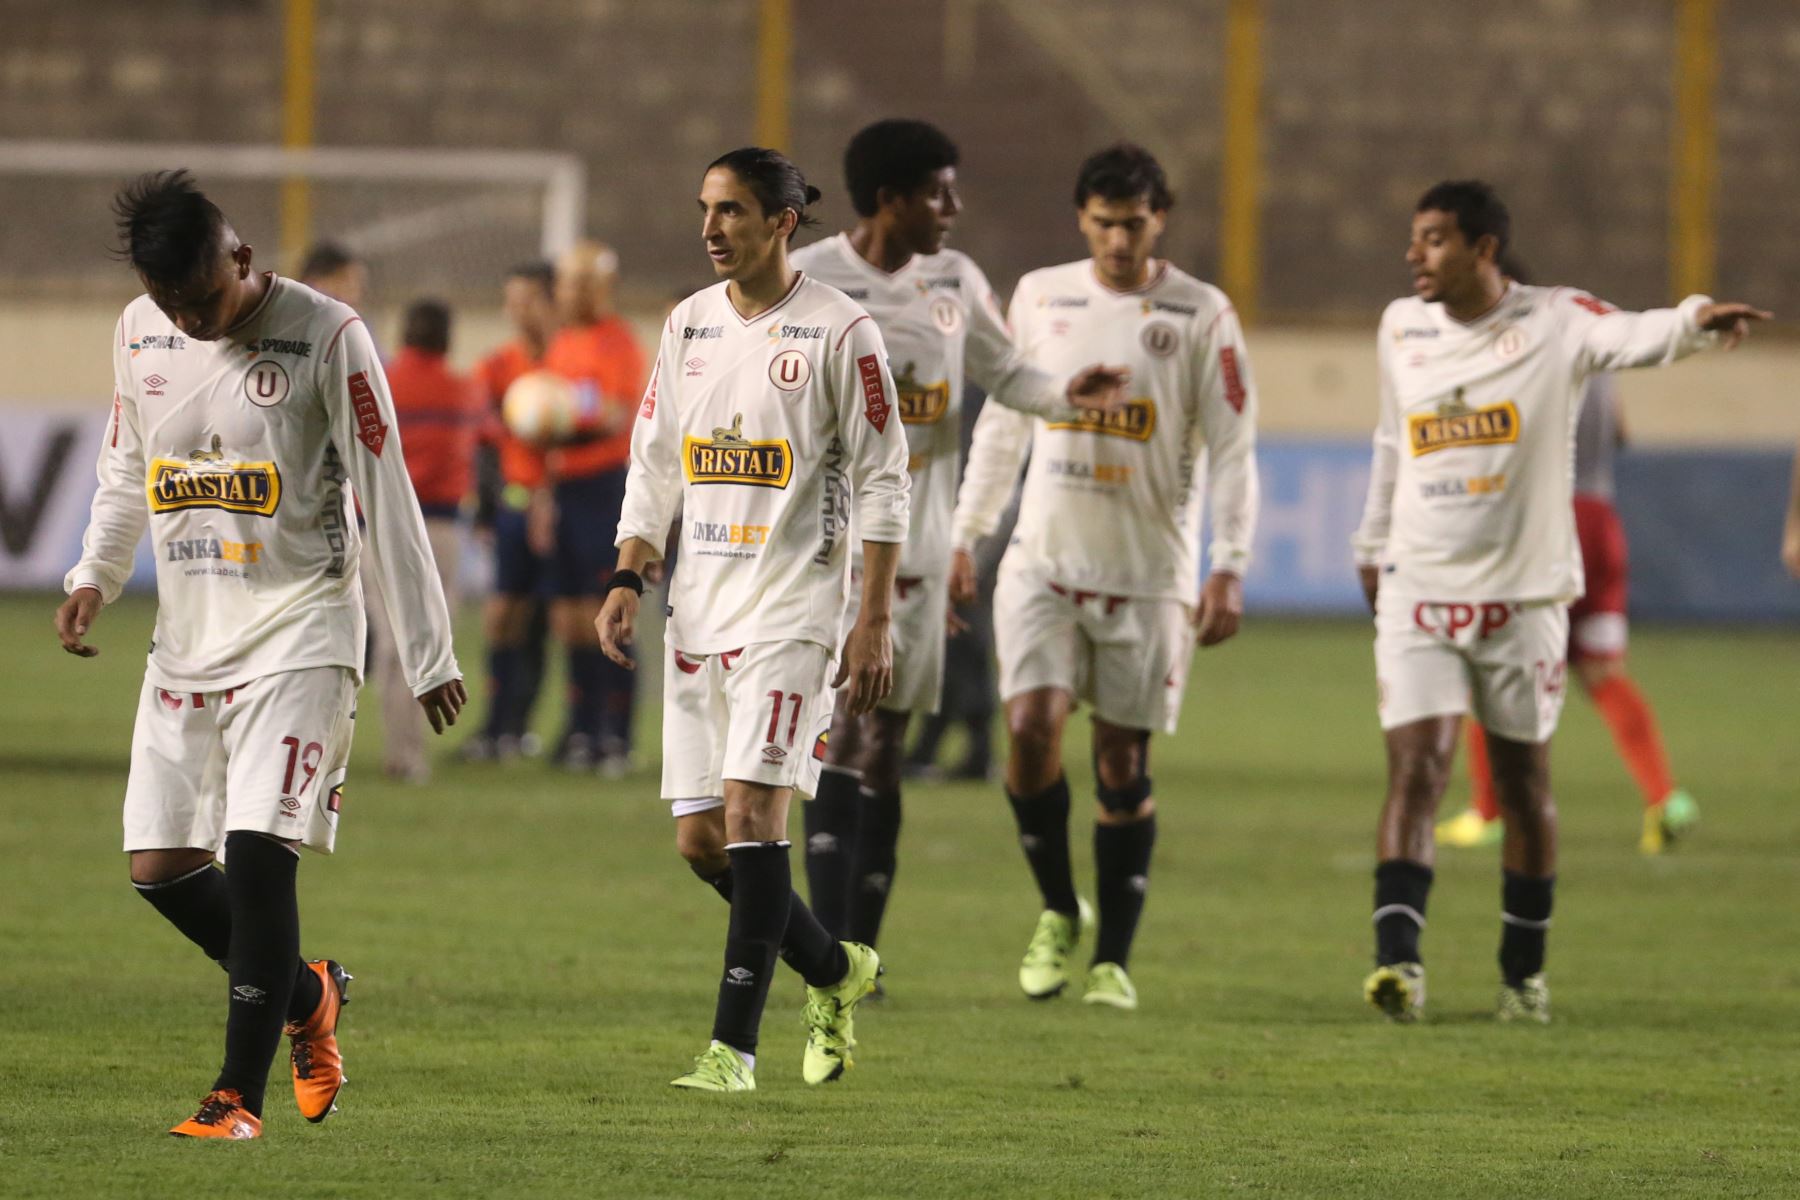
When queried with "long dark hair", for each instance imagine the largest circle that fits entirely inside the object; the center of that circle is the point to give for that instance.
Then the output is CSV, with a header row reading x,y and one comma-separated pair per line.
x,y
773,180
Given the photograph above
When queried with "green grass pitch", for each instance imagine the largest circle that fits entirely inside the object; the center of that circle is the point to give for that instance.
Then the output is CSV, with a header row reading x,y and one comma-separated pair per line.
x,y
534,964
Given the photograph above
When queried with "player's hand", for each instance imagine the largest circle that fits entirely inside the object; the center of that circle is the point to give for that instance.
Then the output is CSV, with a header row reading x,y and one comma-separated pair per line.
x,y
954,625
962,577
1370,578
74,617
867,664
1790,545
1731,321
442,703
654,572
1099,388
1221,608
617,626
540,523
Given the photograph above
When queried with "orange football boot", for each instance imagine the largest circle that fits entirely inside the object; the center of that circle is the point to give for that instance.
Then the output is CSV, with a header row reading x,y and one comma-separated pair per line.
x,y
313,1054
222,1115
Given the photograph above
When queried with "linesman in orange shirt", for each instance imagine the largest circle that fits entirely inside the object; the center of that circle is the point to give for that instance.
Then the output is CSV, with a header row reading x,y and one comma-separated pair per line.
x,y
514,622
439,414
597,351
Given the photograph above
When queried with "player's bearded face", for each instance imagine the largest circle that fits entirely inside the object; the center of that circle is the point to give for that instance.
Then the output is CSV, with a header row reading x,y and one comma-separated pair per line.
x,y
928,213
1121,235
1444,264
741,239
208,303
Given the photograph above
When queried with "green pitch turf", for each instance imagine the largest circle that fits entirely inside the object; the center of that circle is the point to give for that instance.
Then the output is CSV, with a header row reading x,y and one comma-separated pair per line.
x,y
534,964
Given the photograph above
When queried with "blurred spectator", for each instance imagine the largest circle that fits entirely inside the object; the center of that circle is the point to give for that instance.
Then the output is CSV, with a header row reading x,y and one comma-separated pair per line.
x,y
578,517
331,268
438,413
516,619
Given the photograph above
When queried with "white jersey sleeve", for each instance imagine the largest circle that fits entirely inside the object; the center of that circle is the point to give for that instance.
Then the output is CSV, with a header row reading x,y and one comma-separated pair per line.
x,y
995,364
1002,440
1227,410
120,511
359,413
869,427
1384,466
1604,338
653,482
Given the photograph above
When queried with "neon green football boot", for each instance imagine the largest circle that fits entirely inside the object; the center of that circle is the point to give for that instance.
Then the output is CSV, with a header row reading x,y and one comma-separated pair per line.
x,y
1469,828
1398,990
1107,983
1530,1001
829,1016
719,1069
1045,971
1669,821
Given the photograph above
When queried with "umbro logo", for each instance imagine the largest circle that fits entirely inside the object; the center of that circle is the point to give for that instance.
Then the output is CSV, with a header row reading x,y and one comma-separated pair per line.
x,y
695,366
248,994
822,843
1029,841
154,384
740,976
1139,884
773,754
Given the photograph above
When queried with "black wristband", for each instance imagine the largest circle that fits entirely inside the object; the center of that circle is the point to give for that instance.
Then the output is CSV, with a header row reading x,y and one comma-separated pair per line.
x,y
625,579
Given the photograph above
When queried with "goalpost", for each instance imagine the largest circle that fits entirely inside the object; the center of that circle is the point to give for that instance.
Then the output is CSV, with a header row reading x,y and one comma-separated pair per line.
x,y
425,218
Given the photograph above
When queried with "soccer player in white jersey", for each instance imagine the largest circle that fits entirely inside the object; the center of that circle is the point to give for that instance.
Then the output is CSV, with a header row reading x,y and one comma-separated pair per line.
x,y
941,324
770,418
1468,555
243,404
1099,595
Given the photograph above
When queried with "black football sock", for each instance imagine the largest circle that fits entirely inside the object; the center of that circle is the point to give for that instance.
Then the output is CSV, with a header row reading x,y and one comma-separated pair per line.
x,y
504,672
1525,905
617,691
1122,877
196,904
872,864
1401,887
806,946
309,989
265,944
532,656
587,692
1043,822
761,886
830,819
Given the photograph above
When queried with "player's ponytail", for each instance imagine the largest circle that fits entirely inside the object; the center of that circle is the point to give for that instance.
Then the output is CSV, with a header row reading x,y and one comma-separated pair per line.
x,y
775,182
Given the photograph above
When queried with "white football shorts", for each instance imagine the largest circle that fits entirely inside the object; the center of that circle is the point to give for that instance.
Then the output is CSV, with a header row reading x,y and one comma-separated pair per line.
x,y
1505,661
268,756
919,633
752,714
1127,656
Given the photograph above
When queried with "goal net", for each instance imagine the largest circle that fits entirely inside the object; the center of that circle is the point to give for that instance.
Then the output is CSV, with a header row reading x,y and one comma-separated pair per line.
x,y
444,222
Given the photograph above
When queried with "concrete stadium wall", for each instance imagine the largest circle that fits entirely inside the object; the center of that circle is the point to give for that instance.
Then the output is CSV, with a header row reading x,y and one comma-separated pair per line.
x,y
1567,105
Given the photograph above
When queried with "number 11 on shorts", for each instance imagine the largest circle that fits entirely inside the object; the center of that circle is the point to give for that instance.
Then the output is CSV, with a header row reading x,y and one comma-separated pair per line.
x,y
776,697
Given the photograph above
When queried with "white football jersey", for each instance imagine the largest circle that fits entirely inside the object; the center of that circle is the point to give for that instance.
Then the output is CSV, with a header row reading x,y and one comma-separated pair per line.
x,y
240,455
763,431
1112,502
941,324
1471,491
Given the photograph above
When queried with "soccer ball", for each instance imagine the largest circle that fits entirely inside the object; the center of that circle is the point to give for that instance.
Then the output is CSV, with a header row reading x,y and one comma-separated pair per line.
x,y
539,407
